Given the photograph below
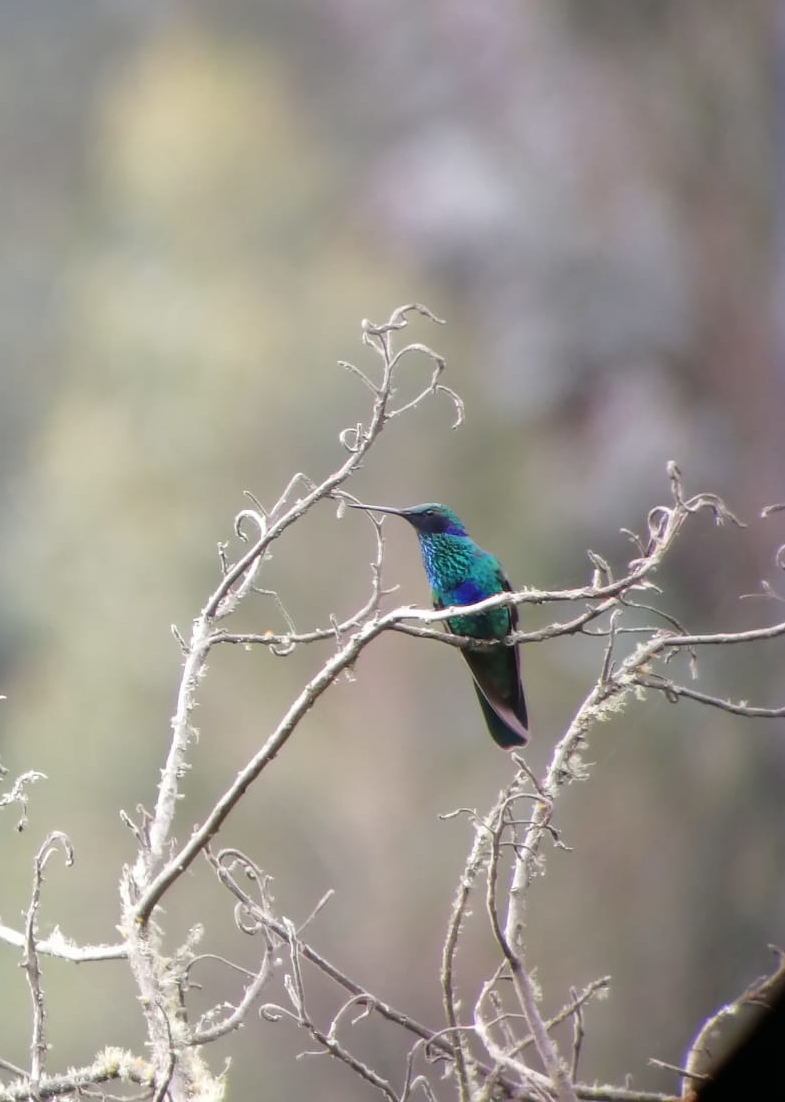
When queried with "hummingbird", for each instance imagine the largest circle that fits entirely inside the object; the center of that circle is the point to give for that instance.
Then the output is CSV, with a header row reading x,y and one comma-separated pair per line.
x,y
461,573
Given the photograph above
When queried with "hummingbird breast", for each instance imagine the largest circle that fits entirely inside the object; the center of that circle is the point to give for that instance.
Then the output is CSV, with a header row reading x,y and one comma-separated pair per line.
x,y
460,573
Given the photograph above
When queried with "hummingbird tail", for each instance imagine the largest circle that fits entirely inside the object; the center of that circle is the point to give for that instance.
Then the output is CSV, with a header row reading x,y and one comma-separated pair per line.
x,y
506,728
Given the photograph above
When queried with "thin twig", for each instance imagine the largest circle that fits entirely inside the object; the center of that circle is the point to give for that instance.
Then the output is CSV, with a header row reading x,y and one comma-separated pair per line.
x,y
38,1045
578,1033
673,692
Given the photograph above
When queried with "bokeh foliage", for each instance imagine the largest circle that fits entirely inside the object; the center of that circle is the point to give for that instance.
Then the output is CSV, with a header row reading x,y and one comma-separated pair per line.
x,y
200,207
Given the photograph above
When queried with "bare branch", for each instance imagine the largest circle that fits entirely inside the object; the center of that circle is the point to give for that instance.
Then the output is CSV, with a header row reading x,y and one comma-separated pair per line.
x,y
57,945
144,885
222,866
203,834
30,963
524,988
485,1048
328,1040
673,692
577,1037
112,1065
478,855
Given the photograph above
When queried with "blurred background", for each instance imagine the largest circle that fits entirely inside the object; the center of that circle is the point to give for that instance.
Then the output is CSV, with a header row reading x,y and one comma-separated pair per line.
x,y
200,204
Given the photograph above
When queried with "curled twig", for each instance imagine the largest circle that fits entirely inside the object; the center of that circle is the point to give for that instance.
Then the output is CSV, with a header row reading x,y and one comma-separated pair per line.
x,y
18,794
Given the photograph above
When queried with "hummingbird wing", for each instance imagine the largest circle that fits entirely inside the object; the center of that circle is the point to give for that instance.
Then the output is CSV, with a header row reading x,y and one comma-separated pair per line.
x,y
497,681
519,700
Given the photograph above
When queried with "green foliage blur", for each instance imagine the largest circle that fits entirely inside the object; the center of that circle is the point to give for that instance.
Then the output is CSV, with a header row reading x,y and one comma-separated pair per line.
x,y
200,205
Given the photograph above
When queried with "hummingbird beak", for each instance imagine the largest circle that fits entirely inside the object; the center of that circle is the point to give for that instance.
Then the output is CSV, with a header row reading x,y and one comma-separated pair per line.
x,y
375,508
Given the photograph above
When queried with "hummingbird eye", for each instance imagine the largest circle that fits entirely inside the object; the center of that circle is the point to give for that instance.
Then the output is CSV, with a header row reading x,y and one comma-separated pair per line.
x,y
429,513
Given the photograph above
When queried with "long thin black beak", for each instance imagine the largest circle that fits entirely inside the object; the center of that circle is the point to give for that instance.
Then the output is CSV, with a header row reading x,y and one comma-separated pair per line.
x,y
375,508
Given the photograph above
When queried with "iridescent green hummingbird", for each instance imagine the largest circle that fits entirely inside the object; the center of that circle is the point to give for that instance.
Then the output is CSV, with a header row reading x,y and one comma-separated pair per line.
x,y
461,573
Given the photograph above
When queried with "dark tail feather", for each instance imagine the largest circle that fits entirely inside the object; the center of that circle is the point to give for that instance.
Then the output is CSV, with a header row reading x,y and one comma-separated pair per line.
x,y
505,733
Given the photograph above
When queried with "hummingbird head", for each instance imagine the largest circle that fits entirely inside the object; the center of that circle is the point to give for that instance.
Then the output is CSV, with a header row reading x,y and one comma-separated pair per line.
x,y
429,519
